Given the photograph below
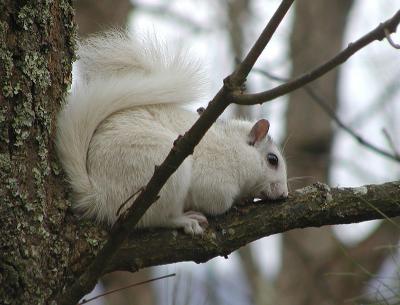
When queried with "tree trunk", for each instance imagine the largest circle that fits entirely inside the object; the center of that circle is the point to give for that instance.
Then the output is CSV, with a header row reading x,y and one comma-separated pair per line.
x,y
36,51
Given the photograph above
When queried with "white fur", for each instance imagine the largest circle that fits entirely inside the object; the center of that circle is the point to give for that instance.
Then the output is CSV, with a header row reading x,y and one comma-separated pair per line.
x,y
121,120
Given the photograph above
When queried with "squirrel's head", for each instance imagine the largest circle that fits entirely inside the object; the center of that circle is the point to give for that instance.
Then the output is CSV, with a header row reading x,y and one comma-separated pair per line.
x,y
273,184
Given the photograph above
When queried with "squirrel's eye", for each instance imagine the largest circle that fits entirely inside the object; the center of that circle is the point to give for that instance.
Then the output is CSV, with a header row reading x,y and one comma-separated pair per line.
x,y
272,159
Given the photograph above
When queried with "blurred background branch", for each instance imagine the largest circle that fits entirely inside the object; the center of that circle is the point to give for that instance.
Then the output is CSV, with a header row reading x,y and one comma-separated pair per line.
x,y
332,114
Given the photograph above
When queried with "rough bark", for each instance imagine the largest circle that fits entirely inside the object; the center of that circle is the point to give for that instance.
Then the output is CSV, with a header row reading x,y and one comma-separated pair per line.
x,y
36,50
313,206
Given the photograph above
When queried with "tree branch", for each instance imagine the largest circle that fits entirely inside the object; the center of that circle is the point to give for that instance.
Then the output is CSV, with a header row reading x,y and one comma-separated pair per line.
x,y
347,129
313,206
325,107
389,26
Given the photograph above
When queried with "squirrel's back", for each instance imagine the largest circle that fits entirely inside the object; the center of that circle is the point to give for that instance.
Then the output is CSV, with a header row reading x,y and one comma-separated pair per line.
x,y
115,72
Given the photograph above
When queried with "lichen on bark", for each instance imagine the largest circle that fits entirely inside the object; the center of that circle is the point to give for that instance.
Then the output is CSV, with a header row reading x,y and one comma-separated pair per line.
x,y
36,53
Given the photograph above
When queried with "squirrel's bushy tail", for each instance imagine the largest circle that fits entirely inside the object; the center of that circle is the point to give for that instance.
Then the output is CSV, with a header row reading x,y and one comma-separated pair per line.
x,y
114,72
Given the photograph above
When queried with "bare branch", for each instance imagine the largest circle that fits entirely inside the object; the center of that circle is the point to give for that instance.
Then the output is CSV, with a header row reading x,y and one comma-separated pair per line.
x,y
380,101
314,206
325,107
346,128
377,34
391,142
244,68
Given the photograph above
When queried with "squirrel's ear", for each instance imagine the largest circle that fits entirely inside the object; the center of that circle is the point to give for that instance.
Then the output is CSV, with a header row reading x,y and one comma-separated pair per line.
x,y
258,132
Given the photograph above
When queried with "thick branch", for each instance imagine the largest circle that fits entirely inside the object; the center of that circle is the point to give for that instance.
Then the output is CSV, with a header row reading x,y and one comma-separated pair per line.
x,y
313,206
389,26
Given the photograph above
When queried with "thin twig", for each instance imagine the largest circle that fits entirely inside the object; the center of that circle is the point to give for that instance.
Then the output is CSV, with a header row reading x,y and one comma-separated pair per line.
x,y
239,76
127,200
126,287
380,101
382,213
346,128
389,39
391,142
325,107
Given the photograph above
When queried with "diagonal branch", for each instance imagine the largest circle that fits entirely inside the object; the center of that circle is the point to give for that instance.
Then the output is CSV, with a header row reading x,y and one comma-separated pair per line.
x,y
183,147
379,33
325,107
347,129
238,77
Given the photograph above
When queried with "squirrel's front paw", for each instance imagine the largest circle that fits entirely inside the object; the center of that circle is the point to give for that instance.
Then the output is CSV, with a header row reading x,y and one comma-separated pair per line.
x,y
193,227
192,222
196,222
197,216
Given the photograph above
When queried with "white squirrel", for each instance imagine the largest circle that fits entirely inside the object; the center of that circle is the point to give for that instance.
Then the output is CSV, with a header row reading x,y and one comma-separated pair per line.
x,y
121,119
